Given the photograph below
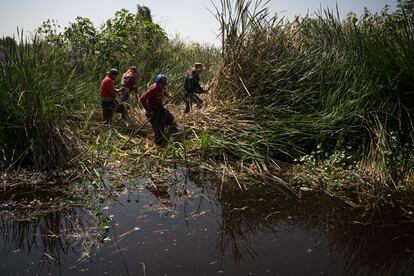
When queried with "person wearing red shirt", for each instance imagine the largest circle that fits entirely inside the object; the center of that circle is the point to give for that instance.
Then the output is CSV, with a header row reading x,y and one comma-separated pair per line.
x,y
129,81
108,94
152,101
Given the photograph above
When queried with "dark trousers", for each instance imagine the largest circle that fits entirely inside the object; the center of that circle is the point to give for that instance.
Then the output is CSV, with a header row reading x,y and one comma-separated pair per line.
x,y
189,98
109,108
162,118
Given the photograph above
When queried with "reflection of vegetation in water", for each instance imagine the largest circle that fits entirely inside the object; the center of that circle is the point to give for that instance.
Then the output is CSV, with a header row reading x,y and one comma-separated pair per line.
x,y
369,243
49,220
56,227
245,217
160,191
375,249
381,245
55,234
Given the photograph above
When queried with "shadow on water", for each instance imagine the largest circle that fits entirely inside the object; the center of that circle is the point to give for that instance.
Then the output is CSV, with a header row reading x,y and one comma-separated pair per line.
x,y
380,245
40,228
193,224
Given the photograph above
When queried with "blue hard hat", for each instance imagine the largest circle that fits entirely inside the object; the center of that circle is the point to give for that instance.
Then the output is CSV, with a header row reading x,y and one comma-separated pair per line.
x,y
160,79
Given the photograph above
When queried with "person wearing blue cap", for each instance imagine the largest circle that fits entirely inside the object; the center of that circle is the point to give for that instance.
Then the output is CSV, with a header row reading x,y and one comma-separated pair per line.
x,y
108,94
153,102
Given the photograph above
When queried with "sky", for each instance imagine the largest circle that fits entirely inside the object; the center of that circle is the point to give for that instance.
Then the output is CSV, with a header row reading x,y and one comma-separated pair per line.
x,y
191,19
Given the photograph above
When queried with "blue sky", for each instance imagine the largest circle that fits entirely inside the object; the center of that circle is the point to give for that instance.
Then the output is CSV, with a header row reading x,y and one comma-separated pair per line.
x,y
189,18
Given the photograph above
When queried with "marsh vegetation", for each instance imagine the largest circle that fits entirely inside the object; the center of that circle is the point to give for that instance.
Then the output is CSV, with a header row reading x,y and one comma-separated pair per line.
x,y
298,110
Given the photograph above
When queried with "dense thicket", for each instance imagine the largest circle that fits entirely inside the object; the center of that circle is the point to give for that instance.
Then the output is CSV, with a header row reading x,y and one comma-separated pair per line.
x,y
46,80
322,84
318,85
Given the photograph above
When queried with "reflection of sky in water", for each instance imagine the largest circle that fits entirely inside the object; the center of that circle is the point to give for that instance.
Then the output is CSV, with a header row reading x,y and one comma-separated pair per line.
x,y
187,230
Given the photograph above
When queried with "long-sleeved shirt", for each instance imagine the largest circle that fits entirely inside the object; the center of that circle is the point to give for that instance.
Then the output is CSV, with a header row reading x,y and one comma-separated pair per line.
x,y
192,84
107,91
129,80
153,98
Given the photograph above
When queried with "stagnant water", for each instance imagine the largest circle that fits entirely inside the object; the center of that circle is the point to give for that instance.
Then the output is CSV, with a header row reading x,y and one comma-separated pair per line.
x,y
195,227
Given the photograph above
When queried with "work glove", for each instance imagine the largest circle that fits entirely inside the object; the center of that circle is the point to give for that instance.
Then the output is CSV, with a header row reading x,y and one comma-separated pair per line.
x,y
149,114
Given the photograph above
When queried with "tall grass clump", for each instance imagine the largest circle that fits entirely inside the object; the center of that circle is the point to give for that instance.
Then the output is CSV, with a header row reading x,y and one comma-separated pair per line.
x,y
38,90
50,82
321,84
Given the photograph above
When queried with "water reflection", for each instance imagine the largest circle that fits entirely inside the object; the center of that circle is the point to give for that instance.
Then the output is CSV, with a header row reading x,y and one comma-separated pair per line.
x,y
383,245
39,229
168,228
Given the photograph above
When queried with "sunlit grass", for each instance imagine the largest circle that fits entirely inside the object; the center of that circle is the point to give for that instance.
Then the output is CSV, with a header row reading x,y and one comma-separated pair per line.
x,y
318,81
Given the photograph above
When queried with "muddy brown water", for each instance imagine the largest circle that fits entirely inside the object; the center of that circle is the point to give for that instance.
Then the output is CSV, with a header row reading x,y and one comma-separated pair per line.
x,y
196,227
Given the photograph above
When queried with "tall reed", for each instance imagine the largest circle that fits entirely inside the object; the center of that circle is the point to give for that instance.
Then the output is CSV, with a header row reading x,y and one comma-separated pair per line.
x,y
38,89
320,83
47,80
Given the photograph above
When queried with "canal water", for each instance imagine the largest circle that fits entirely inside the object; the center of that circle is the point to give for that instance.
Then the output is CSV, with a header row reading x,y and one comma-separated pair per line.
x,y
198,227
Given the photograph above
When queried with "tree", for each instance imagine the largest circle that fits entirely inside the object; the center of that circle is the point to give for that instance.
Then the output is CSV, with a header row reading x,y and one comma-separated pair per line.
x,y
144,12
81,37
126,34
49,31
